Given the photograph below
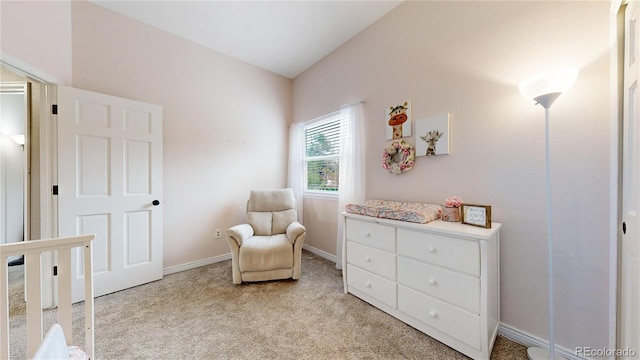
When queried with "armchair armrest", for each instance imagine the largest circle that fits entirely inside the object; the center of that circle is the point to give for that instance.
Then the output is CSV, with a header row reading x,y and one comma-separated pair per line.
x,y
294,230
241,232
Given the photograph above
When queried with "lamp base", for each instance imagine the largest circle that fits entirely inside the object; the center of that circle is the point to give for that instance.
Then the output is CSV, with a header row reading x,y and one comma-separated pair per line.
x,y
537,353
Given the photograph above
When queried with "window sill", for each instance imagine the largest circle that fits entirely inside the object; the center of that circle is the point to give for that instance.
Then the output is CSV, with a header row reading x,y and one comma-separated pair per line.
x,y
320,195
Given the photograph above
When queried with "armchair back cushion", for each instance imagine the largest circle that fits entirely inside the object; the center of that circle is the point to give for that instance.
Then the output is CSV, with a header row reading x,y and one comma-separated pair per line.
x,y
270,212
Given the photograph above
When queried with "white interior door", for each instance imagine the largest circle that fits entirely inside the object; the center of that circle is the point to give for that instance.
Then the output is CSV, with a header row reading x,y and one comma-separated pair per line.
x,y
110,184
630,246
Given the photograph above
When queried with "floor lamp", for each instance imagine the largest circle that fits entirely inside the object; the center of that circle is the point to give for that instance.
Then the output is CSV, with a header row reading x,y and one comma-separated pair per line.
x,y
544,90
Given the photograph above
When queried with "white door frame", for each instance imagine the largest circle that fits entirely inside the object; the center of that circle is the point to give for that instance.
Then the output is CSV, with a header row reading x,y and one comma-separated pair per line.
x,y
614,169
48,161
48,227
617,40
24,88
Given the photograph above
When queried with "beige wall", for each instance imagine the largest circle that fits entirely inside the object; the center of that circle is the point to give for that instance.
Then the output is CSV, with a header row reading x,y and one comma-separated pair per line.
x,y
320,220
225,122
38,33
467,58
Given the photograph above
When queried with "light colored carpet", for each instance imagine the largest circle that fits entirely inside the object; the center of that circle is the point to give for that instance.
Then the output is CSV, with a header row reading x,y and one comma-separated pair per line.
x,y
200,314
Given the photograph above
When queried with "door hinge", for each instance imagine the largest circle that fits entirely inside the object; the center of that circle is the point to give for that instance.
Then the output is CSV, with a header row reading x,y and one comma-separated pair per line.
x,y
54,109
55,271
55,189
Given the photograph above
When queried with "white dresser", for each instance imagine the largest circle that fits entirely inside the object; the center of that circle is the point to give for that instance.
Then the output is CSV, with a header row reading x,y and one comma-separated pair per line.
x,y
442,278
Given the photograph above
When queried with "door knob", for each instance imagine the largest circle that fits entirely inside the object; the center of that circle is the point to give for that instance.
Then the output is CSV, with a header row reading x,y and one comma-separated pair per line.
x,y
156,202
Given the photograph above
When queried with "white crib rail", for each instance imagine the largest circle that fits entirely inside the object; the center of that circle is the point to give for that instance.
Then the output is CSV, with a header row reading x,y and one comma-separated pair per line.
x,y
32,251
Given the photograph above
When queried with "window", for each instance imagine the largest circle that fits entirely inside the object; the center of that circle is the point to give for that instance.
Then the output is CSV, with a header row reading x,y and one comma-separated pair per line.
x,y
322,154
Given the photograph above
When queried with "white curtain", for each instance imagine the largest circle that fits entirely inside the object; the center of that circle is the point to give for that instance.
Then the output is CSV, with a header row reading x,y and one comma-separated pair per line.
x,y
351,180
296,167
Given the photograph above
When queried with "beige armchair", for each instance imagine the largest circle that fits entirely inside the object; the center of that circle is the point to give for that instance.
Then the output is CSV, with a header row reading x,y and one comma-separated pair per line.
x,y
269,245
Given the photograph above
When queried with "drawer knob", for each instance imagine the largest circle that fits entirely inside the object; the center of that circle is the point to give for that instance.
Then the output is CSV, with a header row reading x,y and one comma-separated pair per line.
x,y
431,249
367,234
367,284
432,281
367,259
433,314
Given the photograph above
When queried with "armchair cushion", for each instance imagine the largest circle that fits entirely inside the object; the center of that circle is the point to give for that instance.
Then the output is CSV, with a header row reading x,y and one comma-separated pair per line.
x,y
271,200
261,221
260,253
282,219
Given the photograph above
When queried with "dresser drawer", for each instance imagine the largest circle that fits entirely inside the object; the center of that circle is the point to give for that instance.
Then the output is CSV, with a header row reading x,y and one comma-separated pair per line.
x,y
448,319
452,287
373,285
451,252
377,261
372,234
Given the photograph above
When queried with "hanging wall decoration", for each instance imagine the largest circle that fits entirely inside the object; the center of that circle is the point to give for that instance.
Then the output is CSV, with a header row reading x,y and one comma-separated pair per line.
x,y
432,135
398,157
399,121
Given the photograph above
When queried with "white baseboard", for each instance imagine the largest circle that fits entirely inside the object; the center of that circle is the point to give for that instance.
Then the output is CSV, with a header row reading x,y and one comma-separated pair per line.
x,y
195,264
529,340
322,254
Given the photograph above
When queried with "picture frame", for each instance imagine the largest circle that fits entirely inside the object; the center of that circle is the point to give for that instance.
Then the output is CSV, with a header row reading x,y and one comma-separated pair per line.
x,y
476,215
398,120
432,135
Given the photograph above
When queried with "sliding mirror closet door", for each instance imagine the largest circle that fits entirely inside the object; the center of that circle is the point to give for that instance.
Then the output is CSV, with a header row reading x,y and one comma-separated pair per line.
x,y
14,160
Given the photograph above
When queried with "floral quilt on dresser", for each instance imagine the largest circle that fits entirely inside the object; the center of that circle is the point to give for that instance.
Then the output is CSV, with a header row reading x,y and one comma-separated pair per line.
x,y
396,210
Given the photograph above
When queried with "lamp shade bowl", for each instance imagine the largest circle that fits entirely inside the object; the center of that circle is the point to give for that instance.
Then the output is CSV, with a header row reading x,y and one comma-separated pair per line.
x,y
556,81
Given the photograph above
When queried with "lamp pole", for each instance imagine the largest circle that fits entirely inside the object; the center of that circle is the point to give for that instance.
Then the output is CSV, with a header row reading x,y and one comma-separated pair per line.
x,y
552,350
535,353
550,86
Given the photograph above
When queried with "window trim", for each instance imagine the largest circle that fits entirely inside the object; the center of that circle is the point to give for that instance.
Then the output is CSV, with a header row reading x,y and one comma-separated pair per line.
x,y
319,194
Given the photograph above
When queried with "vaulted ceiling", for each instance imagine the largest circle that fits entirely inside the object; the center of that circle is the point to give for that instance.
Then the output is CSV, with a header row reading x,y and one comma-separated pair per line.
x,y
285,37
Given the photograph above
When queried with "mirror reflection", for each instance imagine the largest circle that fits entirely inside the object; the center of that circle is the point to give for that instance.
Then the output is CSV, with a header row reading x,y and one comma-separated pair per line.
x,y
14,117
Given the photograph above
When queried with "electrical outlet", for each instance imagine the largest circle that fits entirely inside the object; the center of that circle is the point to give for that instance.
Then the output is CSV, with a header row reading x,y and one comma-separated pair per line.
x,y
218,233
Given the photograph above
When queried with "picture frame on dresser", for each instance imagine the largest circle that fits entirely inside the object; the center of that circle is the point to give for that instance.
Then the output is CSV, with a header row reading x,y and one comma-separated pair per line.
x,y
476,215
